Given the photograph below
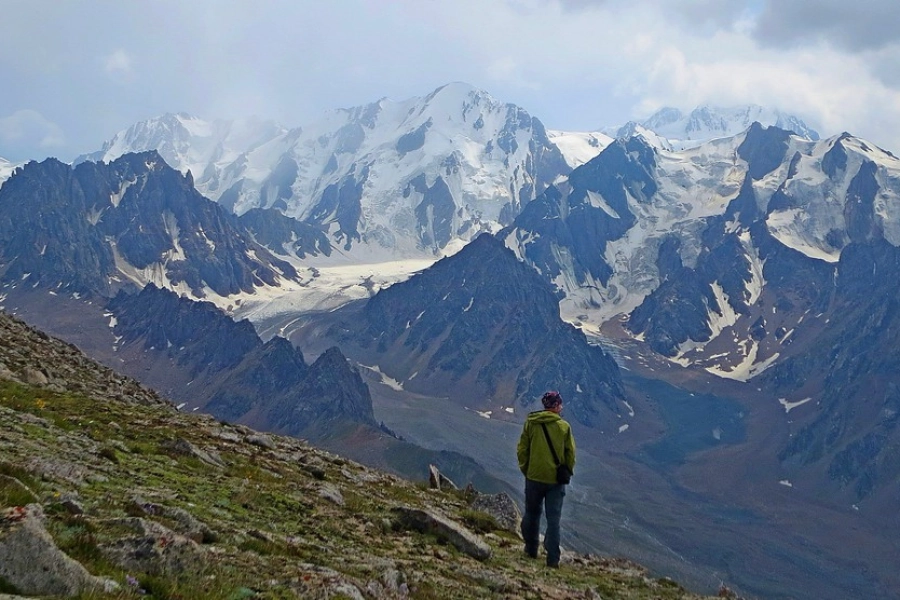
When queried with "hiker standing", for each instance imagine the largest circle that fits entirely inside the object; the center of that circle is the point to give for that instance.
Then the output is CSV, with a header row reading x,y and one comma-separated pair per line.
x,y
546,454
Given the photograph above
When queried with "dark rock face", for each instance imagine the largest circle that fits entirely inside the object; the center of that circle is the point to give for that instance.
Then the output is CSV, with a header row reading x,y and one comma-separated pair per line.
x,y
282,234
434,214
854,435
264,372
266,385
579,224
680,308
89,228
342,203
764,149
835,160
675,312
484,322
414,139
42,241
331,392
276,189
859,211
161,320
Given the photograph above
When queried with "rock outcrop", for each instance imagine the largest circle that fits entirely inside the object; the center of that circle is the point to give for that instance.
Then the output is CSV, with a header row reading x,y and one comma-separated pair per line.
x,y
428,521
31,562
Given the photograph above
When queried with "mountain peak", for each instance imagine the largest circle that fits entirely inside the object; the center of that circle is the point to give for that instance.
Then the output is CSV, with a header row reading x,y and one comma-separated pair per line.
x,y
457,88
707,122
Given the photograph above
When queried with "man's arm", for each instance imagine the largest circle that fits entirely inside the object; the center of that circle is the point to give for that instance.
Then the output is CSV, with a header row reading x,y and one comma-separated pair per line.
x,y
570,451
523,450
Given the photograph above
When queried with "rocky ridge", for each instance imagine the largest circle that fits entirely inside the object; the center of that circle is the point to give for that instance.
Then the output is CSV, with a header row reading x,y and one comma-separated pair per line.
x,y
153,502
98,228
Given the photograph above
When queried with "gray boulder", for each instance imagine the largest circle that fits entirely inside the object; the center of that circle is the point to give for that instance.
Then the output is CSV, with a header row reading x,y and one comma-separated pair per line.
x,y
439,481
31,562
184,523
501,507
433,523
155,549
182,447
262,440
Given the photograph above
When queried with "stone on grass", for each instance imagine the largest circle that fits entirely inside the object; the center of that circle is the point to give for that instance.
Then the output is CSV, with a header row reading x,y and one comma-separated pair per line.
x,y
155,549
31,562
331,493
184,522
501,507
427,521
439,481
261,440
182,447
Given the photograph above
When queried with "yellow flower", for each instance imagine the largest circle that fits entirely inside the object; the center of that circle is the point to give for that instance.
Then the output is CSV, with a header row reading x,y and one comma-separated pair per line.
x,y
40,403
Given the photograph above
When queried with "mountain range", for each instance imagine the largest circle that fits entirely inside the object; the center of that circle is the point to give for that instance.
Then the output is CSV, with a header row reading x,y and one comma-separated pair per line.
x,y
387,178
676,130
744,287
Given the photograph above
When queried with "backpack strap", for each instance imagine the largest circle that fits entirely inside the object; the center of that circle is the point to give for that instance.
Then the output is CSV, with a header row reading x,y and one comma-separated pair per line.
x,y
550,443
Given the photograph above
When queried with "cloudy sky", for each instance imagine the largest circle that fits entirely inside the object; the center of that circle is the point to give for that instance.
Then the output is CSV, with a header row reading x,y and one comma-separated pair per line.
x,y
75,72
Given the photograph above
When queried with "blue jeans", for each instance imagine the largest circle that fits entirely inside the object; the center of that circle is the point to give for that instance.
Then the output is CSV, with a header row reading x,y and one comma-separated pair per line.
x,y
550,495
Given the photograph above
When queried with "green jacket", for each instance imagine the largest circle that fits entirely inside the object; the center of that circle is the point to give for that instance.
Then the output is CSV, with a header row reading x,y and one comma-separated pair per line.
x,y
535,459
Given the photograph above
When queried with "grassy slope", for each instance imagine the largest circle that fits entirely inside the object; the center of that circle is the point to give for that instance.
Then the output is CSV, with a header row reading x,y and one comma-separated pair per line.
x,y
275,534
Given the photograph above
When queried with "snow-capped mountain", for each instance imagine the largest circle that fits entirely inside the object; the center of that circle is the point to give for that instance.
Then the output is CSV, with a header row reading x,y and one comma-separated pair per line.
x,y
765,257
721,222
682,131
415,177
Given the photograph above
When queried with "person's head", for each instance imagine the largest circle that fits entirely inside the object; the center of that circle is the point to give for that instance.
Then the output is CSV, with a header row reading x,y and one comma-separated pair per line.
x,y
552,401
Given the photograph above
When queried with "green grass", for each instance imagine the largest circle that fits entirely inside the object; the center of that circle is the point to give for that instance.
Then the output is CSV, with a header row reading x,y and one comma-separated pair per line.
x,y
255,491
478,521
13,494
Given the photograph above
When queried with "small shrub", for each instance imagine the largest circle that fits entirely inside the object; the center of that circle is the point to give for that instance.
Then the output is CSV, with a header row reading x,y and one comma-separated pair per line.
x,y
14,487
479,521
261,547
109,453
80,543
156,588
143,448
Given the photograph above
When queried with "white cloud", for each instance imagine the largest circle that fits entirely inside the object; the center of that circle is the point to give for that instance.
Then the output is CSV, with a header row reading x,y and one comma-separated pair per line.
x,y
575,64
118,62
30,127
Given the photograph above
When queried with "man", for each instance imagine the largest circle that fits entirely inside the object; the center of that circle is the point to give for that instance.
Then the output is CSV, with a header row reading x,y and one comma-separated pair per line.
x,y
537,464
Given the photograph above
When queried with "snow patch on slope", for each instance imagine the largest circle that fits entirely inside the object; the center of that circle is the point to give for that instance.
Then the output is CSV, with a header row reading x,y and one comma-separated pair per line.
x,y
6,169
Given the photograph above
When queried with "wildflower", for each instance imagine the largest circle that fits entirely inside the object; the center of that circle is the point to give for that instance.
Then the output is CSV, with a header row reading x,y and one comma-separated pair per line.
x,y
16,513
40,403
